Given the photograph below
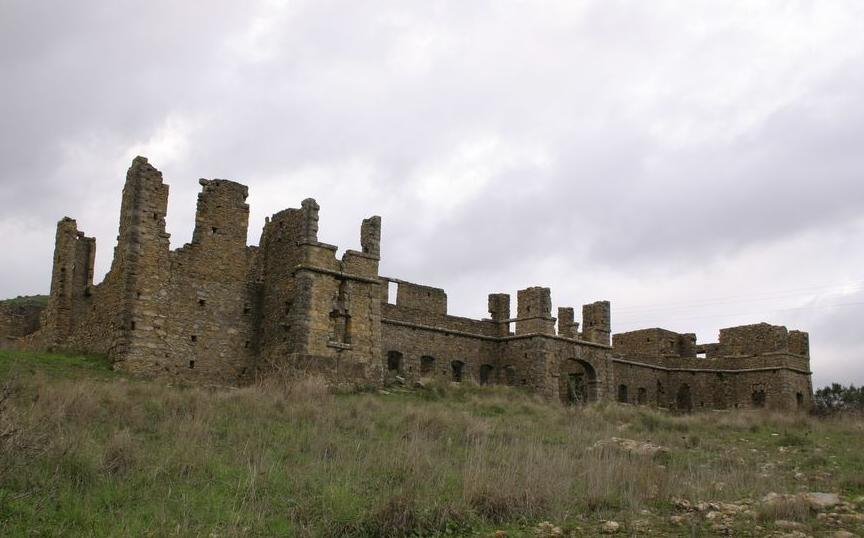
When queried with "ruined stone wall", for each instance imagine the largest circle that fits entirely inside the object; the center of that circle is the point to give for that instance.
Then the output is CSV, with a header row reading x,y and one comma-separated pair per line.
x,y
543,363
650,344
219,311
755,339
419,338
209,328
319,313
773,382
17,320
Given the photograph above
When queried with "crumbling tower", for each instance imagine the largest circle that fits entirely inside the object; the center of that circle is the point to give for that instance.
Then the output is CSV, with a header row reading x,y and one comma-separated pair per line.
x,y
71,279
141,263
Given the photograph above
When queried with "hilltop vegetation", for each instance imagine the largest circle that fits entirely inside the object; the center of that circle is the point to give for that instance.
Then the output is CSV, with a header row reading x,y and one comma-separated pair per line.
x,y
26,300
86,451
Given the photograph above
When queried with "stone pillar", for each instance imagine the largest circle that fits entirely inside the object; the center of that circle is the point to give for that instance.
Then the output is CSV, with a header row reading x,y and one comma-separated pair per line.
x,y
597,322
534,307
370,236
499,309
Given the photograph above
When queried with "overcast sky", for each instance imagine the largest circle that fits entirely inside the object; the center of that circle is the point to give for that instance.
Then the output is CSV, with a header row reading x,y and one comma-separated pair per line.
x,y
699,164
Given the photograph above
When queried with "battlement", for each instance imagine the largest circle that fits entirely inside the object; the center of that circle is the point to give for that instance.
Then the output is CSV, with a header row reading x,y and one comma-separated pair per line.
x,y
219,311
761,338
744,341
654,343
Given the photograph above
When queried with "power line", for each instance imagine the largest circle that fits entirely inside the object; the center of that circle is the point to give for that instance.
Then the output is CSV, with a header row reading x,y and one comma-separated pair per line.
x,y
739,314
850,287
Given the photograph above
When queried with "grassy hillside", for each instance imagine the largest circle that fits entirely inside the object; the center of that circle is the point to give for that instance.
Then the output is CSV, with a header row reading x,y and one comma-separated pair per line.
x,y
26,300
85,451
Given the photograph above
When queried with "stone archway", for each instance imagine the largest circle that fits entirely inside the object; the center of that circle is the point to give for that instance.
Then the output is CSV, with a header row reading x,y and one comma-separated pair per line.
x,y
577,382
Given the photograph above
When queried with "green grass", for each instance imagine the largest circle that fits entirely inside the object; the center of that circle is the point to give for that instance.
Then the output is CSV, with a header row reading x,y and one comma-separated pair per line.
x,y
18,364
87,452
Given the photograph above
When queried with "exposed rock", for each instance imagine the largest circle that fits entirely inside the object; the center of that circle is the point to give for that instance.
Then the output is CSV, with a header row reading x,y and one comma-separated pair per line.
x,y
789,525
817,501
821,501
547,530
610,527
678,520
639,448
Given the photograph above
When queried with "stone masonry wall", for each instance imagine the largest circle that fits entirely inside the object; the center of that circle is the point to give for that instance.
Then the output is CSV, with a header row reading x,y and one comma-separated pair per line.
x,y
219,311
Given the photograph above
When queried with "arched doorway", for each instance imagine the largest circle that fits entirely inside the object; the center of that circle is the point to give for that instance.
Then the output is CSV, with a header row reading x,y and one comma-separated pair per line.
x,y
457,369
577,382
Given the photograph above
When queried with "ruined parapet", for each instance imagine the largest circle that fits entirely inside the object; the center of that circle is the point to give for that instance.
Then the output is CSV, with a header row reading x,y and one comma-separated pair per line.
x,y
419,297
499,310
654,343
686,345
222,214
751,340
534,311
568,327
365,261
597,322
799,343
708,351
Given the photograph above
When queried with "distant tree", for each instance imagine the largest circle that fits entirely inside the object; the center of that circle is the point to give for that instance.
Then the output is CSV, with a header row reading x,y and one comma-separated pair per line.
x,y
836,398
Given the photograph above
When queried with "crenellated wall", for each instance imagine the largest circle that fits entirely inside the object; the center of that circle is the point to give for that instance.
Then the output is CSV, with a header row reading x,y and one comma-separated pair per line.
x,y
219,311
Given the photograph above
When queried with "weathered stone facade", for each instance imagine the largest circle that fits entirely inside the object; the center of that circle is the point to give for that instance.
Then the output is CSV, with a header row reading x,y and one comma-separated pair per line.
x,y
219,311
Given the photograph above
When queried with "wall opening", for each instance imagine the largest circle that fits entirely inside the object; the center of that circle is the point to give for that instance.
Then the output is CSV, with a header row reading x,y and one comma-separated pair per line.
x,y
642,396
683,399
576,389
457,370
758,398
392,291
394,361
622,393
510,375
427,365
485,374
577,382
191,364
799,400
661,394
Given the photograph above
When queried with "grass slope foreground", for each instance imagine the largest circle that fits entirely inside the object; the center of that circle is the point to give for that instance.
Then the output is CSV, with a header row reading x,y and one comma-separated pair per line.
x,y
85,451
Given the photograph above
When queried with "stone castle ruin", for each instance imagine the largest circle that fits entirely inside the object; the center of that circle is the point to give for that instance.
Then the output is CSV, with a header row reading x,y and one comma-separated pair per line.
x,y
219,311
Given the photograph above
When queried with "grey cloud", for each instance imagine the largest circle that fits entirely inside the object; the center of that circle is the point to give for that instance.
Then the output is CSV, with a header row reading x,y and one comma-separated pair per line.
x,y
628,138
